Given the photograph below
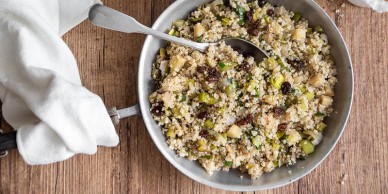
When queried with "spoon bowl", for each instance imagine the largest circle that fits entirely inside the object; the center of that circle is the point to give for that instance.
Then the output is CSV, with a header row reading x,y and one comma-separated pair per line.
x,y
246,47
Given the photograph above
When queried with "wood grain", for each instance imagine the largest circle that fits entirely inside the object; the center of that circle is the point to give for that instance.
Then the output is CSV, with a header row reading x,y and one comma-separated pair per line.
x,y
108,65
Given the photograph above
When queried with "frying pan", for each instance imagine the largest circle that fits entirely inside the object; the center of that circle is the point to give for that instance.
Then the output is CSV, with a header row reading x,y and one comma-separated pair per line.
x,y
231,180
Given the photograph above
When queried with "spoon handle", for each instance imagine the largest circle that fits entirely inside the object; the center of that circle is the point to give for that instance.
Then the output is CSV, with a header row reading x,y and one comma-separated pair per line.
x,y
109,18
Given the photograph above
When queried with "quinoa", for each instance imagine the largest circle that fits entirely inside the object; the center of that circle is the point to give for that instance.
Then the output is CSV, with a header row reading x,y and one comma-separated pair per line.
x,y
226,110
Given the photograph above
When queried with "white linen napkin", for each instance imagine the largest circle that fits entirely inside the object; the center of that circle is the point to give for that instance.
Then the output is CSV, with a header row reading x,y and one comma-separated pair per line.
x,y
40,87
377,5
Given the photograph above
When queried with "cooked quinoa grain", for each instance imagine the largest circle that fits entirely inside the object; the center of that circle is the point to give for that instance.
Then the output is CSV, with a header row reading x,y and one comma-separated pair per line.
x,y
226,110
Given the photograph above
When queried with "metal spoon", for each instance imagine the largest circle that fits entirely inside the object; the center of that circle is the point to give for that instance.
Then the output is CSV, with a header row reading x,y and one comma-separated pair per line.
x,y
109,18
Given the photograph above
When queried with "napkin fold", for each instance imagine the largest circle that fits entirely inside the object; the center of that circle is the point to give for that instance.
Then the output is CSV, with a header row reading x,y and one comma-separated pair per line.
x,y
40,87
377,5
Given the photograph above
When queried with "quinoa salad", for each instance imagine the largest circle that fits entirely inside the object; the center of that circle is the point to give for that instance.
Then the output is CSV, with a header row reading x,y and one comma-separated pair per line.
x,y
226,110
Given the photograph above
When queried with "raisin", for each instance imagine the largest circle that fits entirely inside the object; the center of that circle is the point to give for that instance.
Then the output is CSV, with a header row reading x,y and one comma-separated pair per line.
x,y
249,16
214,72
204,115
270,12
286,88
245,121
246,66
278,111
249,118
298,65
212,78
204,134
241,122
256,24
253,31
157,111
201,69
282,127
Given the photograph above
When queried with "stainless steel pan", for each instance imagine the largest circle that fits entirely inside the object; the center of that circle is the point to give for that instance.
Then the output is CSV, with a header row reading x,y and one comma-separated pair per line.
x,y
231,180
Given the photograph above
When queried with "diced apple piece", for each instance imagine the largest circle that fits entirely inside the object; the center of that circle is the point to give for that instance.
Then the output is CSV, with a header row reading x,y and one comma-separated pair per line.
x,y
329,91
293,137
234,132
168,99
199,30
299,34
326,100
317,80
221,138
177,62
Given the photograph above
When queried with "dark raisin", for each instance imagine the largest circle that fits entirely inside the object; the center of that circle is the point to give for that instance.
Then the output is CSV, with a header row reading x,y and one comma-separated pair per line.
x,y
157,111
270,12
256,24
278,111
214,72
286,88
204,134
241,122
204,115
282,127
249,118
253,31
249,16
245,66
298,65
212,78
245,121
201,69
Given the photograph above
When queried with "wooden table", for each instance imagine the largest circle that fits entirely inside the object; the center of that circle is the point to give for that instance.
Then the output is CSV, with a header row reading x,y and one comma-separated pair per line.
x,y
108,65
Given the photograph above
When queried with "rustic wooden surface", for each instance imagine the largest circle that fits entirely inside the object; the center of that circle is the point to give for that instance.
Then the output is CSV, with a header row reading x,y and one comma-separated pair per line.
x,y
108,65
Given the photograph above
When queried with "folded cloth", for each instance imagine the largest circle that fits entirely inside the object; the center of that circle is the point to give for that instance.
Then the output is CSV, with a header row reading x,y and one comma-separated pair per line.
x,y
377,5
40,88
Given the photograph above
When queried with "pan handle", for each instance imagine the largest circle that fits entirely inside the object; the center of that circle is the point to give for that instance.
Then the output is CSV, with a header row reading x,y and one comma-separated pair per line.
x,y
7,142
116,115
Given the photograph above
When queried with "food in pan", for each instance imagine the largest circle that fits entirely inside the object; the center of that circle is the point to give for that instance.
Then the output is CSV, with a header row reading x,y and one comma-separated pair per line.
x,y
226,110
